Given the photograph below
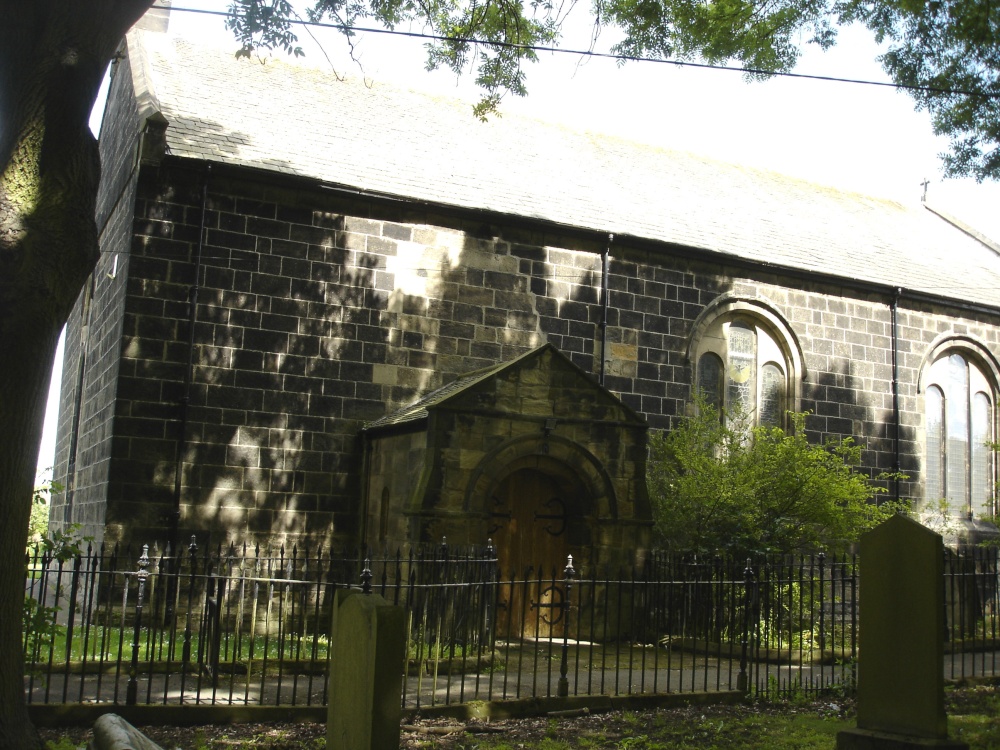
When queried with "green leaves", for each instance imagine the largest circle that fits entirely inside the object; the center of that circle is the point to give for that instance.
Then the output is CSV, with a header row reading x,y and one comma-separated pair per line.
x,y
950,50
263,24
760,35
495,37
727,487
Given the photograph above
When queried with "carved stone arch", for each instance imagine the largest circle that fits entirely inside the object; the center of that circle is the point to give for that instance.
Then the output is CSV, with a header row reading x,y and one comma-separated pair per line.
x,y
550,453
970,346
770,317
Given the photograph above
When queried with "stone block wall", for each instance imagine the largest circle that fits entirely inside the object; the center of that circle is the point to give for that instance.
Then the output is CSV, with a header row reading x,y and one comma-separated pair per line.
x,y
319,311
87,443
396,464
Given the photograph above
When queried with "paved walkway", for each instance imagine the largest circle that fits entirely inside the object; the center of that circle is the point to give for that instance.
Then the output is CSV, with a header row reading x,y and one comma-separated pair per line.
x,y
526,673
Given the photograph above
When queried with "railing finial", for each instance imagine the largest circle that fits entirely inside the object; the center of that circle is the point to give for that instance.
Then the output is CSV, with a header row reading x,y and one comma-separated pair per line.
x,y
366,577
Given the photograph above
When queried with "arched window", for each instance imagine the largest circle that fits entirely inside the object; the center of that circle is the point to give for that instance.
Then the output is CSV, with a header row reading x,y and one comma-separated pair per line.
x,y
741,369
959,402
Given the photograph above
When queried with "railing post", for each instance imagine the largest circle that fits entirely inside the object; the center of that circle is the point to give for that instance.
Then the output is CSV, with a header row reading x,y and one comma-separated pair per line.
x,y
822,602
186,652
564,664
212,634
132,692
492,576
743,680
366,577
173,557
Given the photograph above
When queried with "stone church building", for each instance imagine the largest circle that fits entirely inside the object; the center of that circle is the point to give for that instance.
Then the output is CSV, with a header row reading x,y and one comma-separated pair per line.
x,y
331,312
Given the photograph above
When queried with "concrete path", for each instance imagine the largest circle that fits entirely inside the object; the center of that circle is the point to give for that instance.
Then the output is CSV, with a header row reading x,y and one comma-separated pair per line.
x,y
519,675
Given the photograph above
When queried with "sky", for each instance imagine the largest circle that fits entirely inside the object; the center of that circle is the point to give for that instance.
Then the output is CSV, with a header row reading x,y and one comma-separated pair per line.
x,y
867,139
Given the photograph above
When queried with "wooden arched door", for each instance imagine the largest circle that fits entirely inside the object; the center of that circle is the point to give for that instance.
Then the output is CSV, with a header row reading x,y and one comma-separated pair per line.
x,y
532,514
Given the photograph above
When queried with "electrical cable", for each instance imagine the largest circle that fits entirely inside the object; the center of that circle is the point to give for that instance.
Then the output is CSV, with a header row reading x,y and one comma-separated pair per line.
x,y
604,55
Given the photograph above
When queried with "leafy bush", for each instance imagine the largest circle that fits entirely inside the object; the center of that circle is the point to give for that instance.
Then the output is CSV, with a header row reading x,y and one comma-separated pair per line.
x,y
719,486
41,498
40,622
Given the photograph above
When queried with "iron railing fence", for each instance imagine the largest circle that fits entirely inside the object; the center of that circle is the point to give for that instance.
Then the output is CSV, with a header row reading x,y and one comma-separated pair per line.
x,y
972,620
242,627
206,626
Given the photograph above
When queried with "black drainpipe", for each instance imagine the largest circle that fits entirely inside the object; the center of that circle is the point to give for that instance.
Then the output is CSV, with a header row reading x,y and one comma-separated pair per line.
x,y
895,391
188,376
605,257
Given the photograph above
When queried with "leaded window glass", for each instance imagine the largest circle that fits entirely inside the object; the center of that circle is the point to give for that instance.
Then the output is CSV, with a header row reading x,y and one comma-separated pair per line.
x,y
960,431
772,395
934,470
982,454
956,422
741,381
710,380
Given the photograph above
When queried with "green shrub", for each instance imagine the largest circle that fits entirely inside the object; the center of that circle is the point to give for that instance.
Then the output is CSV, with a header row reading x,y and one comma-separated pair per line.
x,y
717,486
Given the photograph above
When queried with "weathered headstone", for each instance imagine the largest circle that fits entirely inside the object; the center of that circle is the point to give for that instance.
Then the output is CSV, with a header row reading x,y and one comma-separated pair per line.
x,y
901,641
368,639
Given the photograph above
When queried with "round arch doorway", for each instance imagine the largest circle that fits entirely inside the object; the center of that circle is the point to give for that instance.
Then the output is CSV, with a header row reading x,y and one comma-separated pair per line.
x,y
541,512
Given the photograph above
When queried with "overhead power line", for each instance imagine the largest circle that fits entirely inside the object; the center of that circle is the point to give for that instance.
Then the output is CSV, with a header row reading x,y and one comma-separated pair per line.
x,y
600,55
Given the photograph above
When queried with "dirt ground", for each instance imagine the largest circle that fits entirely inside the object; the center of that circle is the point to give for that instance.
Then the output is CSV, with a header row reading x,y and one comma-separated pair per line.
x,y
448,733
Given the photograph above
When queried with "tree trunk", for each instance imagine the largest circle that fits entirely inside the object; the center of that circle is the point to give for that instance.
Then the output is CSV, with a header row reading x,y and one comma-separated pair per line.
x,y
53,55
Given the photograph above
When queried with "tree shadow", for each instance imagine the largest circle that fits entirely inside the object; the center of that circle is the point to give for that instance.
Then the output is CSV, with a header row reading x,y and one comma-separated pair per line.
x,y
848,401
281,357
319,311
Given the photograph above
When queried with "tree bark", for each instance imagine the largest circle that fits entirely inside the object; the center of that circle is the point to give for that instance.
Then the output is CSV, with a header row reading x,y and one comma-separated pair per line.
x,y
53,56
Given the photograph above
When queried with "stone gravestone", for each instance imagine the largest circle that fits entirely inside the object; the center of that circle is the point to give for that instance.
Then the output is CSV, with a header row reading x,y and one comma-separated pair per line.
x,y
112,732
901,641
368,639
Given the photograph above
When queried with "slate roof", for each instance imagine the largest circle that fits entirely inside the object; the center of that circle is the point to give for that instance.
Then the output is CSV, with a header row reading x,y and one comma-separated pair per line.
x,y
299,120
